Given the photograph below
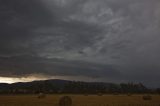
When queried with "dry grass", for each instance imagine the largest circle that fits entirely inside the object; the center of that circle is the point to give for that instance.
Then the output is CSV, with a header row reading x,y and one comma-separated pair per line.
x,y
79,100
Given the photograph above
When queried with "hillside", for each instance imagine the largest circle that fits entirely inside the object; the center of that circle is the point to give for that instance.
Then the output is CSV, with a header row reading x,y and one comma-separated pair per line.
x,y
65,86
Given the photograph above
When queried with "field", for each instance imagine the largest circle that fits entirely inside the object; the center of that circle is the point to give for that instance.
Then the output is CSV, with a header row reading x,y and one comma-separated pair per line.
x,y
79,100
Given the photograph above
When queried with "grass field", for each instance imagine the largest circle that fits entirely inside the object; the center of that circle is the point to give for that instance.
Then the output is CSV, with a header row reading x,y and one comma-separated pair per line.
x,y
79,100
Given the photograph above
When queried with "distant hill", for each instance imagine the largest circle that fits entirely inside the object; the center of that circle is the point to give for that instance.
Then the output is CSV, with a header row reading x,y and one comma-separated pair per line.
x,y
65,86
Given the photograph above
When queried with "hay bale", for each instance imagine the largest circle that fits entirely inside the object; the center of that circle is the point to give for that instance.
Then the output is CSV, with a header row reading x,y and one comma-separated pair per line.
x,y
86,94
147,97
115,93
41,95
129,94
100,94
65,101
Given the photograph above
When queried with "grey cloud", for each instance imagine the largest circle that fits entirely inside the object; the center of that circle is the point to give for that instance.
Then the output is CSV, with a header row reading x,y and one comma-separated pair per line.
x,y
26,65
116,39
18,19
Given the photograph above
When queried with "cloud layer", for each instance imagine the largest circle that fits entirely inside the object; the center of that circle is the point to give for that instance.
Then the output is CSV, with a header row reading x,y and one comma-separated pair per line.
x,y
111,40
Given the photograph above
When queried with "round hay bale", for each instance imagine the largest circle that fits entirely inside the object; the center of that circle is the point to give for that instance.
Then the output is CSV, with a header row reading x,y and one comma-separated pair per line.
x,y
115,93
129,94
85,94
147,97
65,101
41,95
100,94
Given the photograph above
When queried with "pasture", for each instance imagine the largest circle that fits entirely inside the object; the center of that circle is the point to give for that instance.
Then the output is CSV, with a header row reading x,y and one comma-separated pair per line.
x,y
79,100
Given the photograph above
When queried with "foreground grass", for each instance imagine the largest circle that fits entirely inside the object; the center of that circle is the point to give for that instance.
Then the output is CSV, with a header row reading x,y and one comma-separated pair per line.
x,y
79,100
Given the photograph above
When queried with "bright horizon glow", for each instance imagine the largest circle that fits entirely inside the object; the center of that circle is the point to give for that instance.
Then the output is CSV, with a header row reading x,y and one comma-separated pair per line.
x,y
28,78
35,77
23,79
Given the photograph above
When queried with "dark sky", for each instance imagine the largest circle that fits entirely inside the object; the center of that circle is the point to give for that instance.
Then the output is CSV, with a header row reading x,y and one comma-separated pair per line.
x,y
106,40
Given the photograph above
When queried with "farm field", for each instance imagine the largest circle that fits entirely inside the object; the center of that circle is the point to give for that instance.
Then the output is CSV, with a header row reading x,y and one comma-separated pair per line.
x,y
79,100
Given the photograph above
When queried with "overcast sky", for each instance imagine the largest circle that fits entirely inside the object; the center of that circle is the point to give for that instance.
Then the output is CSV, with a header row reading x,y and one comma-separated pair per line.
x,y
105,40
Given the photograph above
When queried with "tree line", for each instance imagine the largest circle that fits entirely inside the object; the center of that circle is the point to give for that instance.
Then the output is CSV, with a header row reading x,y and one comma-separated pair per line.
x,y
75,87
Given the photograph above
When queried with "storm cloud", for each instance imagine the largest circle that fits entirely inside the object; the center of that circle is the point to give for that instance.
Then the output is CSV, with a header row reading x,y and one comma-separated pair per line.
x,y
111,40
